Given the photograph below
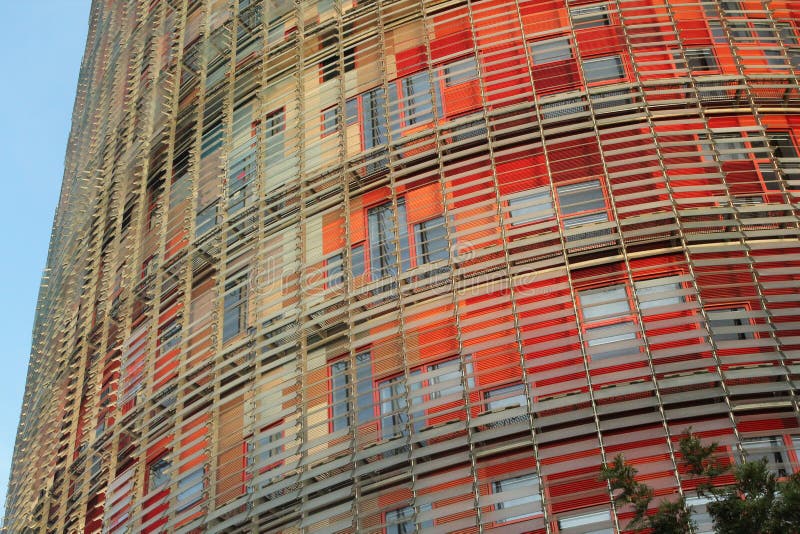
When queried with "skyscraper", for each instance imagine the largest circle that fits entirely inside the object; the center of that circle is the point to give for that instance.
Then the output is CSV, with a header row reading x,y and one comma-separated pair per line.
x,y
374,266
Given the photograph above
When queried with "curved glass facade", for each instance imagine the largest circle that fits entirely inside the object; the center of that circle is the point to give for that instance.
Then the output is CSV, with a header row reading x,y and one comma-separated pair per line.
x,y
379,266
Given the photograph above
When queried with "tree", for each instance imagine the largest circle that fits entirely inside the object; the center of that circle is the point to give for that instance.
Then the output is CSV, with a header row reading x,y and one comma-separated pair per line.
x,y
671,517
756,503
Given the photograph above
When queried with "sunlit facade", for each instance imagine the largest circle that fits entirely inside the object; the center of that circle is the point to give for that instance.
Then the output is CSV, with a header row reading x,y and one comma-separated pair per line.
x,y
381,266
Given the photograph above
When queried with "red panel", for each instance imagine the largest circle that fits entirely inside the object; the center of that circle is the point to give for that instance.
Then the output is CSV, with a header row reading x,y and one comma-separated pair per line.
x,y
461,98
411,60
157,449
424,203
451,45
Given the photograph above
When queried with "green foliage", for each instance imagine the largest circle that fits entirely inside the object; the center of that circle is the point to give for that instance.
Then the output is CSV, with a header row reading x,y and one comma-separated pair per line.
x,y
756,503
670,518
621,477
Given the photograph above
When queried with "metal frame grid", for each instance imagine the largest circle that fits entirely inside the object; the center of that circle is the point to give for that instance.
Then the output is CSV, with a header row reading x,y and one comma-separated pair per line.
x,y
391,265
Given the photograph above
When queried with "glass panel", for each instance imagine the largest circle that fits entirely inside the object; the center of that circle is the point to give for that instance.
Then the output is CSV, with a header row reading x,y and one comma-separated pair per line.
x,y
447,375
604,303
330,120
394,413
658,292
235,308
159,473
726,326
351,111
551,50
266,450
730,146
700,59
781,145
505,397
340,395
335,271
382,251
589,16
584,519
770,448
401,521
190,489
418,107
373,115
529,502
274,126
583,196
535,205
431,241
603,68
364,401
358,260
604,346
460,71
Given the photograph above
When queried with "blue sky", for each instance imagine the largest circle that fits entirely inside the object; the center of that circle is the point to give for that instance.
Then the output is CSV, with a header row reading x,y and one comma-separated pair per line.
x,y
42,45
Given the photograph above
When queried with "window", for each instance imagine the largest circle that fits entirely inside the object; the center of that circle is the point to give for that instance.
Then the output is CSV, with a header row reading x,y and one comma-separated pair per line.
x,y
580,522
430,239
658,292
699,59
234,307
335,272
269,447
602,69
703,521
394,408
770,177
727,324
344,396
149,268
460,71
589,16
727,6
382,242
582,203
274,126
608,318
170,336
551,50
506,397
243,165
444,378
523,499
401,521
369,110
330,121
530,206
212,139
607,321
329,66
441,380
206,219
159,473
787,158
730,145
770,448
357,259
190,489
411,101
390,234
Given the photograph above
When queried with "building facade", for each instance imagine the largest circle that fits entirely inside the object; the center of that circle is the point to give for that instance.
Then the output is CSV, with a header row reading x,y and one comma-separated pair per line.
x,y
345,266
